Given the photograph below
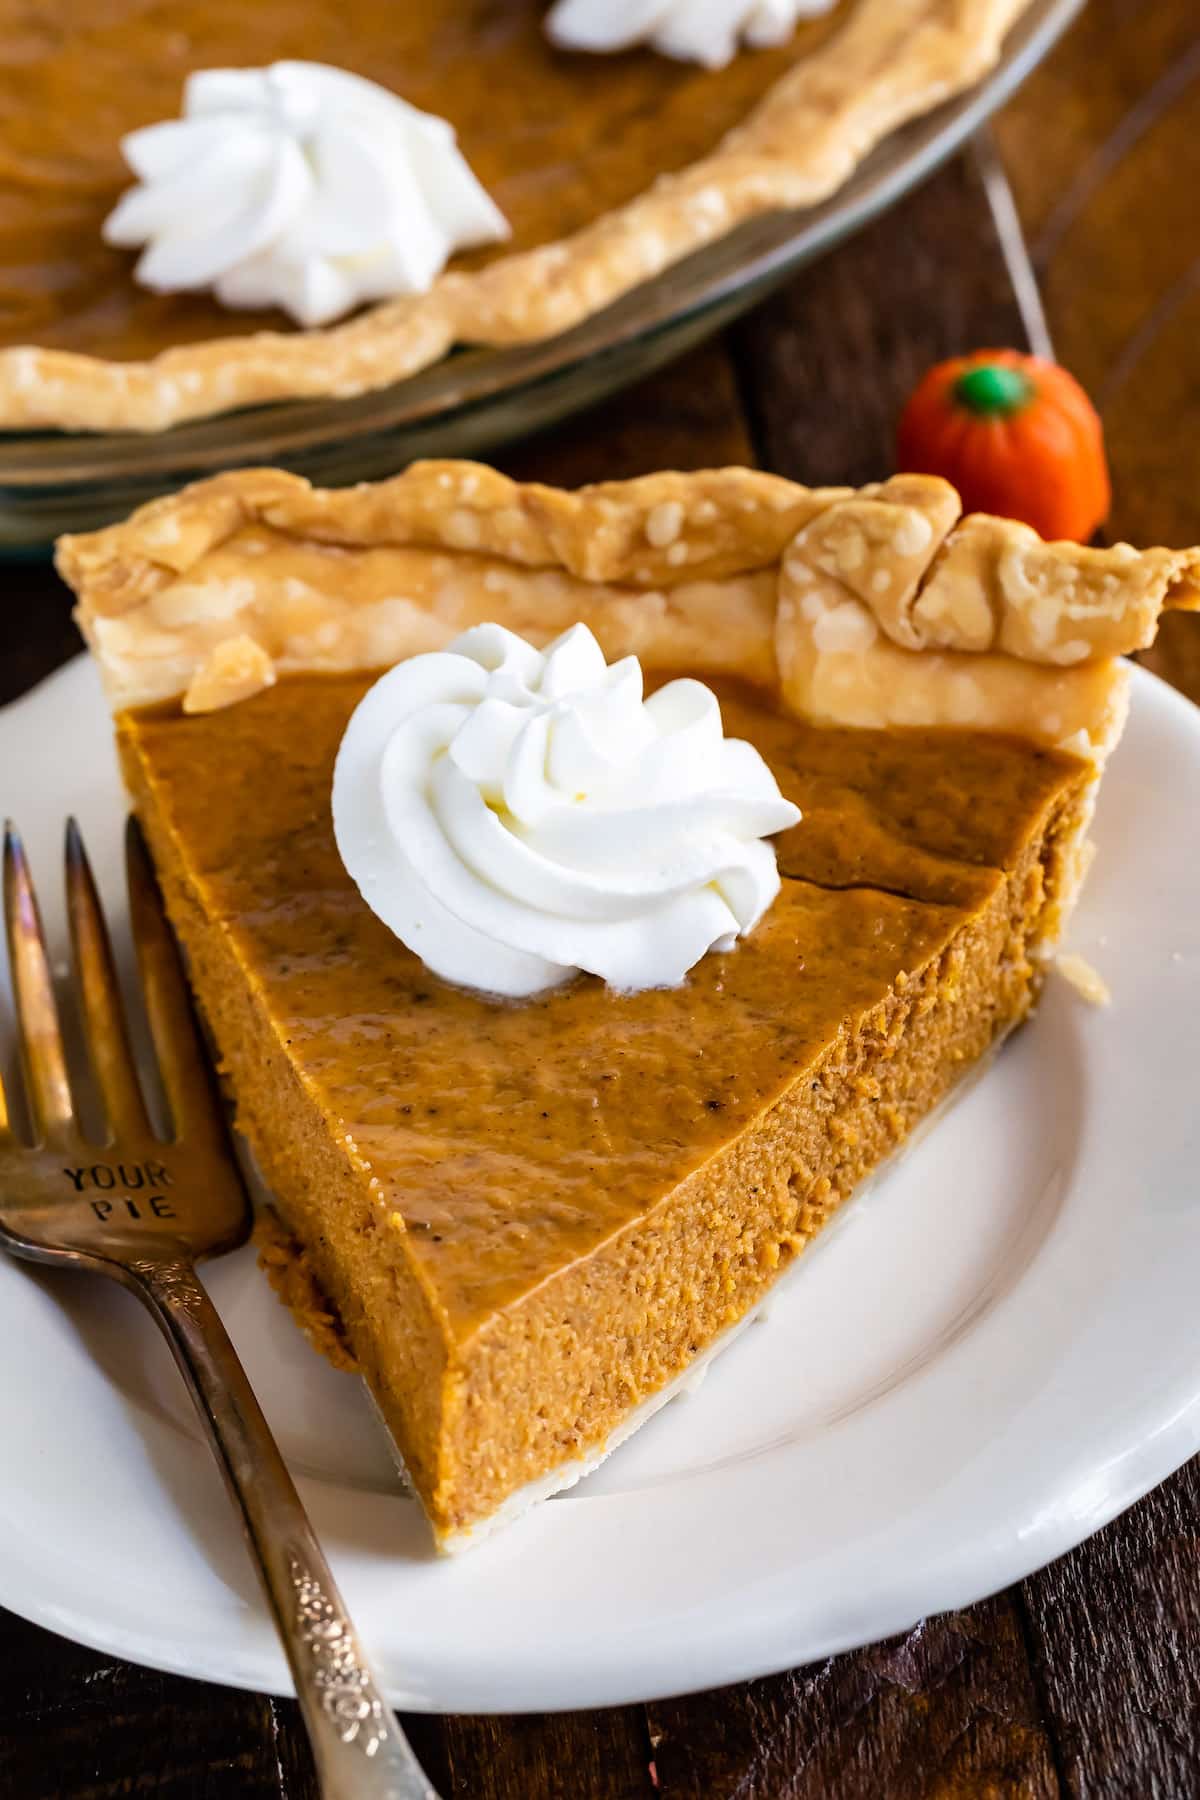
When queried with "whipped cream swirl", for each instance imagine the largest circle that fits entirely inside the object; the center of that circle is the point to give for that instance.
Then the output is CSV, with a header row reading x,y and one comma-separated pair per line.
x,y
298,186
517,815
700,31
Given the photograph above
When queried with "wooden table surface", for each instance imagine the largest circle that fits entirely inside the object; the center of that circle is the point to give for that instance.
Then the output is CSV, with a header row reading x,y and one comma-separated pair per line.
x,y
1085,1679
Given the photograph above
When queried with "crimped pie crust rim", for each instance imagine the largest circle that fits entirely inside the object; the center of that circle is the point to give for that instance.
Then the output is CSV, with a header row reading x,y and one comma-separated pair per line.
x,y
891,61
879,606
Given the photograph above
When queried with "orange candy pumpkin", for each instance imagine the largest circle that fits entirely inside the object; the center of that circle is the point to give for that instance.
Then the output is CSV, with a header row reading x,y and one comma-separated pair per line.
x,y
1016,435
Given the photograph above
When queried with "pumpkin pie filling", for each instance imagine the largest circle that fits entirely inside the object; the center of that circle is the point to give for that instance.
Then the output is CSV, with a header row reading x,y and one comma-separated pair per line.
x,y
531,1216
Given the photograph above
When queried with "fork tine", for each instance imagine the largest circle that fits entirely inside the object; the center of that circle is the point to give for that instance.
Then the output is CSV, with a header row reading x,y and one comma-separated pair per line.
x,y
181,1058
7,1137
42,1057
100,995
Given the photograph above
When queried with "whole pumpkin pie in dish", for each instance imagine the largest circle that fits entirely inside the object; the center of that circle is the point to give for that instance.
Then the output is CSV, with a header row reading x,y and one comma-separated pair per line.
x,y
607,168
531,1217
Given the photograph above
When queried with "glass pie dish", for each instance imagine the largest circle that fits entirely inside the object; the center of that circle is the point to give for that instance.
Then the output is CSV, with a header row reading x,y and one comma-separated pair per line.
x,y
51,482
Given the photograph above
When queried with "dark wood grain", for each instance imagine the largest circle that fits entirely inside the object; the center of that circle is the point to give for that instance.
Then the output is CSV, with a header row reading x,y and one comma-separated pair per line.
x,y
949,1709
36,632
687,417
76,1724
1103,149
558,1756
1085,1680
826,368
1114,1635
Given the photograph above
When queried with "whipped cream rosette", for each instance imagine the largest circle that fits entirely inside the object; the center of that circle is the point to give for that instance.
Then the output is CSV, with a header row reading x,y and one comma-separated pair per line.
x,y
298,186
701,31
517,815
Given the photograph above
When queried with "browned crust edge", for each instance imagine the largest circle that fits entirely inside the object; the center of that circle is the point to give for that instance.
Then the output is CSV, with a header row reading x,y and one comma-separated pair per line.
x,y
875,606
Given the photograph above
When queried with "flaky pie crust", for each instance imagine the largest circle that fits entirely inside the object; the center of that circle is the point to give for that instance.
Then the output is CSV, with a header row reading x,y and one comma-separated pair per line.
x,y
879,606
892,61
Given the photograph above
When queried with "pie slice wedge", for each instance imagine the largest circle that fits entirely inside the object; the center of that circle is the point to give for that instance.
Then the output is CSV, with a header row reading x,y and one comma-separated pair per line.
x,y
532,1219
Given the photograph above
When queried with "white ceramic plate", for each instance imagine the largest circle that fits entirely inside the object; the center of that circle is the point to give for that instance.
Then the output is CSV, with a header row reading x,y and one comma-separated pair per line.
x,y
996,1351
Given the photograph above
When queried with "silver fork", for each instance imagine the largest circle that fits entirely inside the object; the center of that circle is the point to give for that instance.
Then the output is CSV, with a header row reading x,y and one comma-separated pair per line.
x,y
141,1209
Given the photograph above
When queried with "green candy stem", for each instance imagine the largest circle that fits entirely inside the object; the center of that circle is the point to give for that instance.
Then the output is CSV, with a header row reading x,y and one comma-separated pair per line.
x,y
992,390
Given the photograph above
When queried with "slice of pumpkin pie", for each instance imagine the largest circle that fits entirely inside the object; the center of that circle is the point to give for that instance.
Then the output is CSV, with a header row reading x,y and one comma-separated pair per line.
x,y
702,833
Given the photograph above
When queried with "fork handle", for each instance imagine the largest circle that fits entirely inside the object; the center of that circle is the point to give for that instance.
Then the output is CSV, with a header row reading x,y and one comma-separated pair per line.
x,y
359,1748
